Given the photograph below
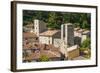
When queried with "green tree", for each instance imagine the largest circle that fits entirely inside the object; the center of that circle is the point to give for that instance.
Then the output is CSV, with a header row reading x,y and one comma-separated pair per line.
x,y
52,20
66,17
86,43
84,24
55,19
85,48
44,58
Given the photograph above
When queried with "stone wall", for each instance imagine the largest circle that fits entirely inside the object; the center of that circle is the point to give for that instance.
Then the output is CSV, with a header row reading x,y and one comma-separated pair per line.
x,y
39,26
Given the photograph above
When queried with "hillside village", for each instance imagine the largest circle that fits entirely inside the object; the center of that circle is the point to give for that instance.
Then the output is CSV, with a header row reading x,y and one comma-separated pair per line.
x,y
44,44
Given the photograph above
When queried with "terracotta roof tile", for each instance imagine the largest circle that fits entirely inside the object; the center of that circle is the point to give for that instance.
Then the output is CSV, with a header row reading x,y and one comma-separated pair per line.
x,y
49,33
51,53
29,35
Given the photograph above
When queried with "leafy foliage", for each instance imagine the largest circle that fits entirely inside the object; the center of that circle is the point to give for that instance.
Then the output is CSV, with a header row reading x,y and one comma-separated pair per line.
x,y
85,48
86,43
55,19
44,58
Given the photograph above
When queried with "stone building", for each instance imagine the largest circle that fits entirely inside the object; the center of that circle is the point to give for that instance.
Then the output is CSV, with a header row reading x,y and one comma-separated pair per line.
x,y
80,35
39,27
49,37
29,37
58,44
29,27
33,53
67,48
73,52
85,35
67,34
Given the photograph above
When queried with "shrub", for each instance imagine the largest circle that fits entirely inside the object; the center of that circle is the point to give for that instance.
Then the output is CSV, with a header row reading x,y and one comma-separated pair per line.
x,y
86,43
44,58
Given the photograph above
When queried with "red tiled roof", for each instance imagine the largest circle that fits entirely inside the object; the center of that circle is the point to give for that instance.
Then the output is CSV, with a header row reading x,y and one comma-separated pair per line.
x,y
29,35
49,33
51,53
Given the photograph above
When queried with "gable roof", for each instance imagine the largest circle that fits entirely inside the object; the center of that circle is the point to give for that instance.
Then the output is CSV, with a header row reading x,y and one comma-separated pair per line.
x,y
49,33
52,52
29,35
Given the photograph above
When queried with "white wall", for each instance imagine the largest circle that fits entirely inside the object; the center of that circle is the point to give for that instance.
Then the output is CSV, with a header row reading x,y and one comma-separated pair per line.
x,y
45,40
57,42
36,27
5,37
